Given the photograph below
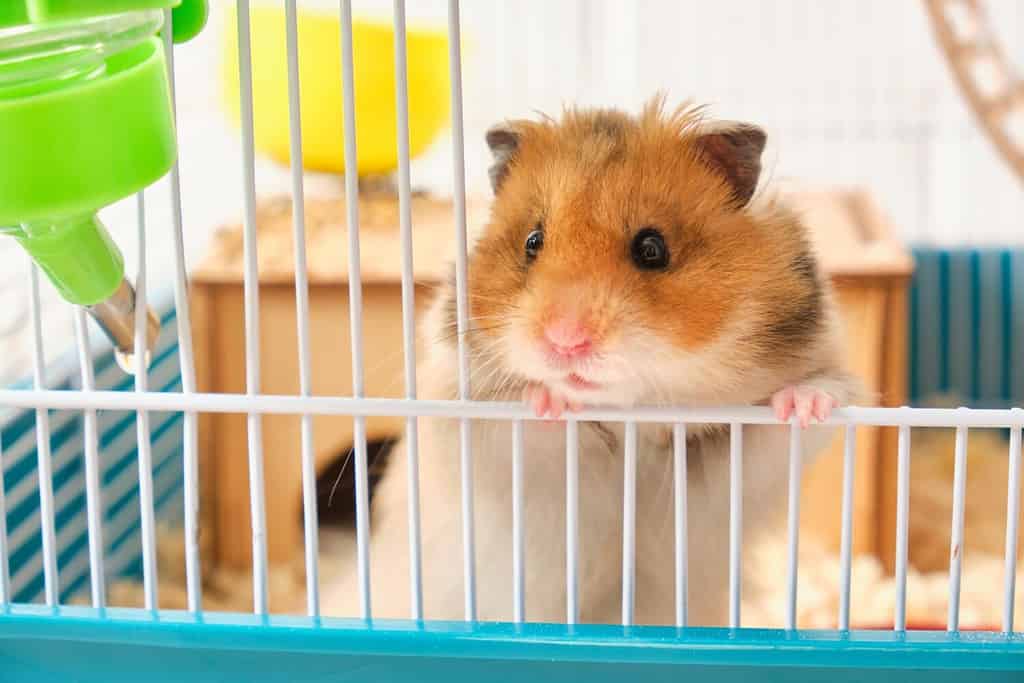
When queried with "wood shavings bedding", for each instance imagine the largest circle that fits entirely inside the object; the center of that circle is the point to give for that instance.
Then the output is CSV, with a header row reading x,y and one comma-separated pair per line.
x,y
872,593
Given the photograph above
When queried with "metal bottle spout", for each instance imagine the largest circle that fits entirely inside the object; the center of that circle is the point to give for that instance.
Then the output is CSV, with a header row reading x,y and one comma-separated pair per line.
x,y
116,317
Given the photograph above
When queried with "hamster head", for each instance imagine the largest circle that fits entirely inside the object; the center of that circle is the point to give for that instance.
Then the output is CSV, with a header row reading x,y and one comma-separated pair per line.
x,y
624,262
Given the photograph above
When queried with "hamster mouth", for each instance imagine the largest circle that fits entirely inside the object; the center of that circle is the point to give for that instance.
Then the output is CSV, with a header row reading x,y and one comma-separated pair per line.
x,y
577,382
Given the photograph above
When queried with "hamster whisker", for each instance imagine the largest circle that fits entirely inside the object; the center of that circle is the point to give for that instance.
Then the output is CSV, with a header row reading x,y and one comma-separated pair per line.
x,y
341,473
472,330
496,371
491,366
505,385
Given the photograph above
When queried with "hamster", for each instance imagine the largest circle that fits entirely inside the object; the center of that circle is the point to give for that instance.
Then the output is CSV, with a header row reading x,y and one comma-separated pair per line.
x,y
626,262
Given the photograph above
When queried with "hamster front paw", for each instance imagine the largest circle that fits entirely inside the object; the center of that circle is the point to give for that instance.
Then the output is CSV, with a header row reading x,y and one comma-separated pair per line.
x,y
545,401
804,400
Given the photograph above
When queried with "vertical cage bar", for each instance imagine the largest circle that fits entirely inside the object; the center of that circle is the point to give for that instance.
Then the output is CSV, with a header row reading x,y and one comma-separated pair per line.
x,y
93,501
572,510
44,463
408,305
190,425
309,512
518,571
468,533
252,323
1012,518
413,513
462,298
956,541
795,469
459,164
846,541
735,521
355,302
145,456
629,526
5,575
682,541
902,518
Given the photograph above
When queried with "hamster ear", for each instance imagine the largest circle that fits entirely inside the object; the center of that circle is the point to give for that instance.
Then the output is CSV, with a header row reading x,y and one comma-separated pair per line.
x,y
503,141
734,149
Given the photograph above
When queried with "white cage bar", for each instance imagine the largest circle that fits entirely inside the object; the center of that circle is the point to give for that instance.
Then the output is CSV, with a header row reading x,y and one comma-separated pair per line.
x,y
795,474
284,404
680,487
846,535
309,512
190,425
902,525
629,525
1012,518
408,305
462,301
90,438
957,534
44,467
252,325
735,521
147,520
518,560
355,304
572,512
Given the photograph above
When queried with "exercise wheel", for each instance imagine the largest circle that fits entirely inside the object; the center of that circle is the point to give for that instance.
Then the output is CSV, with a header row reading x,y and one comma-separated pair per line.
x,y
987,80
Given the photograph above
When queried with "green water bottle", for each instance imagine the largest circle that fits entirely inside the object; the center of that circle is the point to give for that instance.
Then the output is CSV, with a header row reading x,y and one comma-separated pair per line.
x,y
85,121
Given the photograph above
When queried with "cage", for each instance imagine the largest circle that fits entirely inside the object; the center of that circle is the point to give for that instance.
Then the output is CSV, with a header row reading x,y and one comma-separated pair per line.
x,y
80,499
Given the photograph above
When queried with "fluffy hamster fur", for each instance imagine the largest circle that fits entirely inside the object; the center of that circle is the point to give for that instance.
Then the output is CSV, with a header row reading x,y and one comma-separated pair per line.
x,y
739,313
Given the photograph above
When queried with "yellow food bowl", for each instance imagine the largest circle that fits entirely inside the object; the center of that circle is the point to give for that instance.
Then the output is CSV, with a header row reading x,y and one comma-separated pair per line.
x,y
373,47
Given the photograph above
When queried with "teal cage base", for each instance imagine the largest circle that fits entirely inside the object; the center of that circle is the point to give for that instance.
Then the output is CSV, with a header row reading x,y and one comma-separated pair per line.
x,y
85,645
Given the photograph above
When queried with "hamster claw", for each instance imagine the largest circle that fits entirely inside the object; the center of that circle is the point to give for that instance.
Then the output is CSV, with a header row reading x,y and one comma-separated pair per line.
x,y
543,401
537,397
803,401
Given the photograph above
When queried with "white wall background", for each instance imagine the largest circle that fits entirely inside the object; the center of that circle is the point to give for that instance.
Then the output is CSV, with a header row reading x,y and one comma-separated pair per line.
x,y
852,92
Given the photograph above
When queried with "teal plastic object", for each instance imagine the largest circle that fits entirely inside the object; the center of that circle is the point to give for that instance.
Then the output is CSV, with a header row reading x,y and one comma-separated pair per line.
x,y
84,645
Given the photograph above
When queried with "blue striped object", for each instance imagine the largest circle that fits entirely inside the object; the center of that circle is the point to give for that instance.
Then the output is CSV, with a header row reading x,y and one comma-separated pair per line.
x,y
966,321
118,455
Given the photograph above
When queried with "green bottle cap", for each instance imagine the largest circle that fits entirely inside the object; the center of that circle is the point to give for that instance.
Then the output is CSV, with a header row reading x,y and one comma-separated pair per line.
x,y
189,15
85,121
73,150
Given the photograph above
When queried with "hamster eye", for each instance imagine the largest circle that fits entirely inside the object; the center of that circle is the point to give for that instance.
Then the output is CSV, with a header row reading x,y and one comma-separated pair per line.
x,y
534,243
649,250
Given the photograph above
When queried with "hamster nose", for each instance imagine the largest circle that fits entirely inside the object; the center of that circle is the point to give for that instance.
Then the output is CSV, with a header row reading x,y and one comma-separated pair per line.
x,y
568,338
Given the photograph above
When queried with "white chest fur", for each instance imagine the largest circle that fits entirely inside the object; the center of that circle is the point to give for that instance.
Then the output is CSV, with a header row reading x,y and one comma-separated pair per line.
x,y
600,486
